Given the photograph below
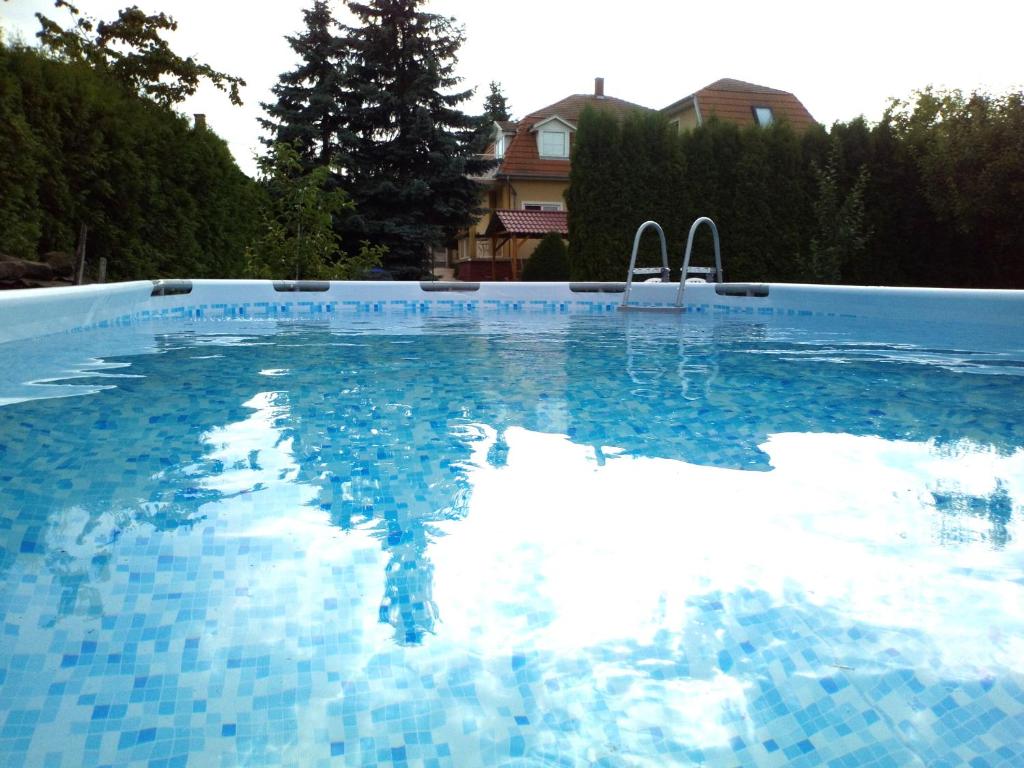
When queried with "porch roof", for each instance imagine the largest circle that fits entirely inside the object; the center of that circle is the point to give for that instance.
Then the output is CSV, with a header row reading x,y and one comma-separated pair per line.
x,y
506,221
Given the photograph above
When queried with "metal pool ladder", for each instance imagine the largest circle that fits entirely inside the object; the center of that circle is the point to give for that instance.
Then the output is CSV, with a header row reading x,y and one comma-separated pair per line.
x,y
709,273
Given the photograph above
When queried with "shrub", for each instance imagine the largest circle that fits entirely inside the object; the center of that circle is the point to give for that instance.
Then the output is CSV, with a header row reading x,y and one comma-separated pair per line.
x,y
550,261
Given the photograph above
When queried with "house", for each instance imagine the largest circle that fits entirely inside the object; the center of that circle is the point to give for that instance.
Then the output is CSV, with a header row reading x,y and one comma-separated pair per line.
x,y
738,102
531,176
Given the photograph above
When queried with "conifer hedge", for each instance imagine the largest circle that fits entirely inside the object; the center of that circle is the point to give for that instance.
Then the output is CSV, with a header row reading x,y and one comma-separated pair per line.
x,y
160,198
929,196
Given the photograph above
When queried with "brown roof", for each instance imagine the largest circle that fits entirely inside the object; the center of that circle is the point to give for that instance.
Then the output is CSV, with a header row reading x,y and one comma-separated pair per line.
x,y
528,223
734,101
521,156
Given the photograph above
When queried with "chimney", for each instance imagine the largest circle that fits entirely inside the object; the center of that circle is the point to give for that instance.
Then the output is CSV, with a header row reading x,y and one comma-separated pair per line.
x,y
200,121
599,87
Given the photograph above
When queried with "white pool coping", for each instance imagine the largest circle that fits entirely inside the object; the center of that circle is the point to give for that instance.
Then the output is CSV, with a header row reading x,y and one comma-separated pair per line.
x,y
26,314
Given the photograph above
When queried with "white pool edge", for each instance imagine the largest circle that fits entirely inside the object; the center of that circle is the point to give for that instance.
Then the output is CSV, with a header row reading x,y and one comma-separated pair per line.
x,y
32,313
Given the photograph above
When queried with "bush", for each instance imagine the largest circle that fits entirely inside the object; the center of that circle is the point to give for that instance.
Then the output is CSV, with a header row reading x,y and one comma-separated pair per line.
x,y
549,262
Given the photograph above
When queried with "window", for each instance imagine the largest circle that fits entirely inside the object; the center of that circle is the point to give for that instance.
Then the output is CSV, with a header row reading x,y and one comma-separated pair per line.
x,y
554,144
763,116
542,206
499,146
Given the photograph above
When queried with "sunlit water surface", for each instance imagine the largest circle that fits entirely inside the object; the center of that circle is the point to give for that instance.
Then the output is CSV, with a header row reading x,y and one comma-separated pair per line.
x,y
513,541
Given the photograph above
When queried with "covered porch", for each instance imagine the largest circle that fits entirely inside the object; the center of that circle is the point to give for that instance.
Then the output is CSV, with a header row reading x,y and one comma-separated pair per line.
x,y
510,230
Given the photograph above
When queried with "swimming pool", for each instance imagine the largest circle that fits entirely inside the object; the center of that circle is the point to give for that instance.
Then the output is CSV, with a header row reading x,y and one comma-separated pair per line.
x,y
455,534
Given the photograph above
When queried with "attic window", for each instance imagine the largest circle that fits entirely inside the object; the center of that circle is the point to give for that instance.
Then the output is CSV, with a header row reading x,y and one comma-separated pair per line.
x,y
499,146
554,144
763,116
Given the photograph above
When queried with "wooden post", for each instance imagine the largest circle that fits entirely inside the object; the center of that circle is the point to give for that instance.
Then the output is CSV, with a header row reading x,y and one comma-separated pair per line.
x,y
515,257
83,233
494,250
101,276
494,262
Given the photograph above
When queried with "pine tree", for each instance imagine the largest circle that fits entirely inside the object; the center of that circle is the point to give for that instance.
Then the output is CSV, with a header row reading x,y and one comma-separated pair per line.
x,y
309,113
495,109
410,167
496,105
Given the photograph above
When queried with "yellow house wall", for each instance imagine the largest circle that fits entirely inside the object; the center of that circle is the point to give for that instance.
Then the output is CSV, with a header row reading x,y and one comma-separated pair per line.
x,y
685,118
536,191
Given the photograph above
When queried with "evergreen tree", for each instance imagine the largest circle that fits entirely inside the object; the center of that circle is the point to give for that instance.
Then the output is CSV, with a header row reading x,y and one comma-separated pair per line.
x,y
495,105
549,261
310,110
412,156
160,197
597,209
495,109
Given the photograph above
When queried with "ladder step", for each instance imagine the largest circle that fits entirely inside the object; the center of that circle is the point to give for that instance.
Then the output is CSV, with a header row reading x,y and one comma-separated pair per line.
x,y
700,270
647,271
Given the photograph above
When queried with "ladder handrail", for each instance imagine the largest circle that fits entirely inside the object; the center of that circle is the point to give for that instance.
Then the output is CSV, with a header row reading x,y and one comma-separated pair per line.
x,y
689,251
632,259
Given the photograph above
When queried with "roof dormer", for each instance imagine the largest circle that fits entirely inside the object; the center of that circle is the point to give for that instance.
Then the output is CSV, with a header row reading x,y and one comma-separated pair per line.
x,y
553,137
503,133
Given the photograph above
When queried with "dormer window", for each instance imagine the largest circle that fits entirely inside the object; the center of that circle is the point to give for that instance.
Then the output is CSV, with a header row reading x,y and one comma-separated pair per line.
x,y
763,116
502,138
553,137
554,143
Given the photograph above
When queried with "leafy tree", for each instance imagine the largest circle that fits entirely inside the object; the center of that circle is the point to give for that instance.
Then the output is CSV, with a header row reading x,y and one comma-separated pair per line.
x,y
842,233
130,48
412,156
313,99
549,261
298,239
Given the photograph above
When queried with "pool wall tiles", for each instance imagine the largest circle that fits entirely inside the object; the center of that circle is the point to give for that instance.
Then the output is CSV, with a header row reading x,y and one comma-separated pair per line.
x,y
32,313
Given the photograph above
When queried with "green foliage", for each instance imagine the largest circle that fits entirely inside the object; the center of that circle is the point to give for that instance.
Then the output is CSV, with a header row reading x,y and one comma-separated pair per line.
x,y
597,212
131,49
298,240
160,198
841,234
308,113
931,195
376,103
409,171
550,260
20,215
496,105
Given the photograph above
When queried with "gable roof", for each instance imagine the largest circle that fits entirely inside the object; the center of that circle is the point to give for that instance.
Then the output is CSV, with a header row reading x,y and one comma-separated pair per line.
x,y
733,101
521,156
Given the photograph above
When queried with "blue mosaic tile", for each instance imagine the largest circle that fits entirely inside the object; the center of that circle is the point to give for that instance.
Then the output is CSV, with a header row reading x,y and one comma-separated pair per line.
x,y
281,541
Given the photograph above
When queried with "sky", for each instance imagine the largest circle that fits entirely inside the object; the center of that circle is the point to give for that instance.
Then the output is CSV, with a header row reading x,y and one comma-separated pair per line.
x,y
841,59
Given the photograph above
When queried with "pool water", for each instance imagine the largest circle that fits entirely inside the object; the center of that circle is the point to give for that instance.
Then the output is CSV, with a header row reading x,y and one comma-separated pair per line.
x,y
611,541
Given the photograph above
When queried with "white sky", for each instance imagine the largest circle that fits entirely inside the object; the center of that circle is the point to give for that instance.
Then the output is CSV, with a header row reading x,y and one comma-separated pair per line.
x,y
841,59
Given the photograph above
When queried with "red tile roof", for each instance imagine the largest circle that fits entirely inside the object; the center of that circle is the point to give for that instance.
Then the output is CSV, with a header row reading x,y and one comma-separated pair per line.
x,y
734,100
528,223
521,156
